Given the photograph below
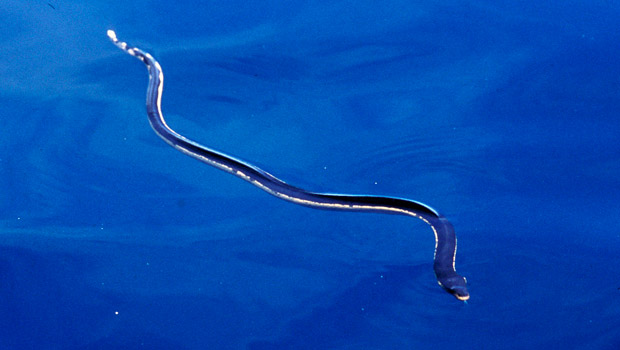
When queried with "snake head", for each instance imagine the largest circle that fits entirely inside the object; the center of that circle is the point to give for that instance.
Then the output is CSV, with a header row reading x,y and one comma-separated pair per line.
x,y
457,286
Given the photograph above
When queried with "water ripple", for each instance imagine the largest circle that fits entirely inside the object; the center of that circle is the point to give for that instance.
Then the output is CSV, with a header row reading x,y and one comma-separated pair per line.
x,y
459,153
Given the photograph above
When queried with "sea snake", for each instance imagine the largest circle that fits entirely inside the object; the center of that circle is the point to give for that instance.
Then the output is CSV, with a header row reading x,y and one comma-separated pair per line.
x,y
445,238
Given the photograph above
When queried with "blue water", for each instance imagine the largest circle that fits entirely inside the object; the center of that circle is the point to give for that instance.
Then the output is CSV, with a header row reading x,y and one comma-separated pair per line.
x,y
502,115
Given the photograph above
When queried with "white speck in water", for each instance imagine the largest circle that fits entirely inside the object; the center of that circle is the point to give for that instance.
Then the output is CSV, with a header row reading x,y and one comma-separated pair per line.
x,y
116,312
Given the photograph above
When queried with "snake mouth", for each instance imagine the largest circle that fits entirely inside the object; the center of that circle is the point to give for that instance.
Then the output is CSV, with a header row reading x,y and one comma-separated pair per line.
x,y
460,293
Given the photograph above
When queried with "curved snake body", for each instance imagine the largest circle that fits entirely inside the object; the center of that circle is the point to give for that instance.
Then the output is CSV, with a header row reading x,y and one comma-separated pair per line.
x,y
445,238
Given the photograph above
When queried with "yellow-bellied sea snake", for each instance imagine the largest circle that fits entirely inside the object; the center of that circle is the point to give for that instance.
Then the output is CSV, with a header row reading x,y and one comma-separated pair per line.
x,y
445,238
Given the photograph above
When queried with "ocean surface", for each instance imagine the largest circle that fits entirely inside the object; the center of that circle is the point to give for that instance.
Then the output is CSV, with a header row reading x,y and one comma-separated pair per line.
x,y
502,115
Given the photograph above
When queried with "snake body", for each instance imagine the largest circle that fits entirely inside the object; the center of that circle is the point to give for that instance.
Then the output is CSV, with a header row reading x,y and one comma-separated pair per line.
x,y
445,238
